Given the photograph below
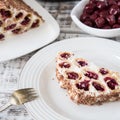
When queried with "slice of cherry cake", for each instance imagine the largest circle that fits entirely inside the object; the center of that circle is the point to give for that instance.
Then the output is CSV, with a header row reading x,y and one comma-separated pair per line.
x,y
85,82
17,17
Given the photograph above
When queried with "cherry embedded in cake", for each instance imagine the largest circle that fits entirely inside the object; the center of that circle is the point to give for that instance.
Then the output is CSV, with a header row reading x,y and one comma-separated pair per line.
x,y
63,64
17,17
85,82
81,62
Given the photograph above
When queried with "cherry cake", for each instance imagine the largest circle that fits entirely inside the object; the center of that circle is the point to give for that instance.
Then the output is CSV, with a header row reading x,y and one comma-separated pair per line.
x,y
85,82
17,17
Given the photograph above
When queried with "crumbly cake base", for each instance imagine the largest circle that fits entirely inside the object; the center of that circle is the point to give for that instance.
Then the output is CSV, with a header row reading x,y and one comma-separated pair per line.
x,y
80,98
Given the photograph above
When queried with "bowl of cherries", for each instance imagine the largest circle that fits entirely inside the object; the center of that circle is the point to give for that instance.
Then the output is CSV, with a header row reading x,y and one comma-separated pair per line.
x,y
98,17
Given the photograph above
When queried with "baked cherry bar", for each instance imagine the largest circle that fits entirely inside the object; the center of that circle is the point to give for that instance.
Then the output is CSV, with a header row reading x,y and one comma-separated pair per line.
x,y
85,82
17,17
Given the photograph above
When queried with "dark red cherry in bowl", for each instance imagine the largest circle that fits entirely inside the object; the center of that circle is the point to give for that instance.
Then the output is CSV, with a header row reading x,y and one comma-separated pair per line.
x,y
98,17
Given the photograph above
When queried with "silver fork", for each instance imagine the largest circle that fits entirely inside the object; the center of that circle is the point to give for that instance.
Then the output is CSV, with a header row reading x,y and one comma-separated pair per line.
x,y
21,96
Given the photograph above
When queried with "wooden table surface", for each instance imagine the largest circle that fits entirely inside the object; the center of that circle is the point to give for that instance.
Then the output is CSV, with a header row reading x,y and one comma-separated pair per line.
x,y
10,70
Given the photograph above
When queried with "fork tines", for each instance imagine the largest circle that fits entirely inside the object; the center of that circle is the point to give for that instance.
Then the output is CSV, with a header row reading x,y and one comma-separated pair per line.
x,y
25,95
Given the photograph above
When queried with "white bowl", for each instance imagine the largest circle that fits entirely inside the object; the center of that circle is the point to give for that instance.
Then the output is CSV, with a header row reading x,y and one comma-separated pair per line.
x,y
75,15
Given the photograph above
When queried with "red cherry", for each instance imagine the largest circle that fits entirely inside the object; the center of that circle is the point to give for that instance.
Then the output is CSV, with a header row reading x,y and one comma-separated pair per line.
x,y
98,86
5,13
72,75
100,22
88,22
1,36
83,85
26,21
35,23
82,63
64,65
116,26
103,13
114,9
89,8
103,71
111,2
93,16
118,3
19,15
84,17
111,82
101,4
65,55
10,27
111,19
16,31
91,75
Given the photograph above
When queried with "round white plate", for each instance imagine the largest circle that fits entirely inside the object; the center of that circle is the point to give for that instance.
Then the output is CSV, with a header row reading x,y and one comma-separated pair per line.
x,y
16,46
54,104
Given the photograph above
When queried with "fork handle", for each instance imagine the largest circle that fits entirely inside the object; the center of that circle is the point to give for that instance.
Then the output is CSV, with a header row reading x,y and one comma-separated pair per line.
x,y
5,106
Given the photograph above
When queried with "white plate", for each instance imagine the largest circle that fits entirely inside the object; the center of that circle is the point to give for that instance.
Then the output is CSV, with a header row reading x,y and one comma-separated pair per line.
x,y
16,46
53,103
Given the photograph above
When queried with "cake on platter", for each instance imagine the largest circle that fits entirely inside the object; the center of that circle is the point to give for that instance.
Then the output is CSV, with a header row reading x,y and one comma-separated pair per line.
x,y
17,17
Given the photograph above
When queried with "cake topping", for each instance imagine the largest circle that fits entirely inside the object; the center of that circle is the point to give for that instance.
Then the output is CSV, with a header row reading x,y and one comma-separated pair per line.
x,y
64,65
1,36
35,23
65,55
103,71
19,15
16,31
82,63
26,20
72,75
5,13
91,75
83,85
98,86
10,27
111,82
